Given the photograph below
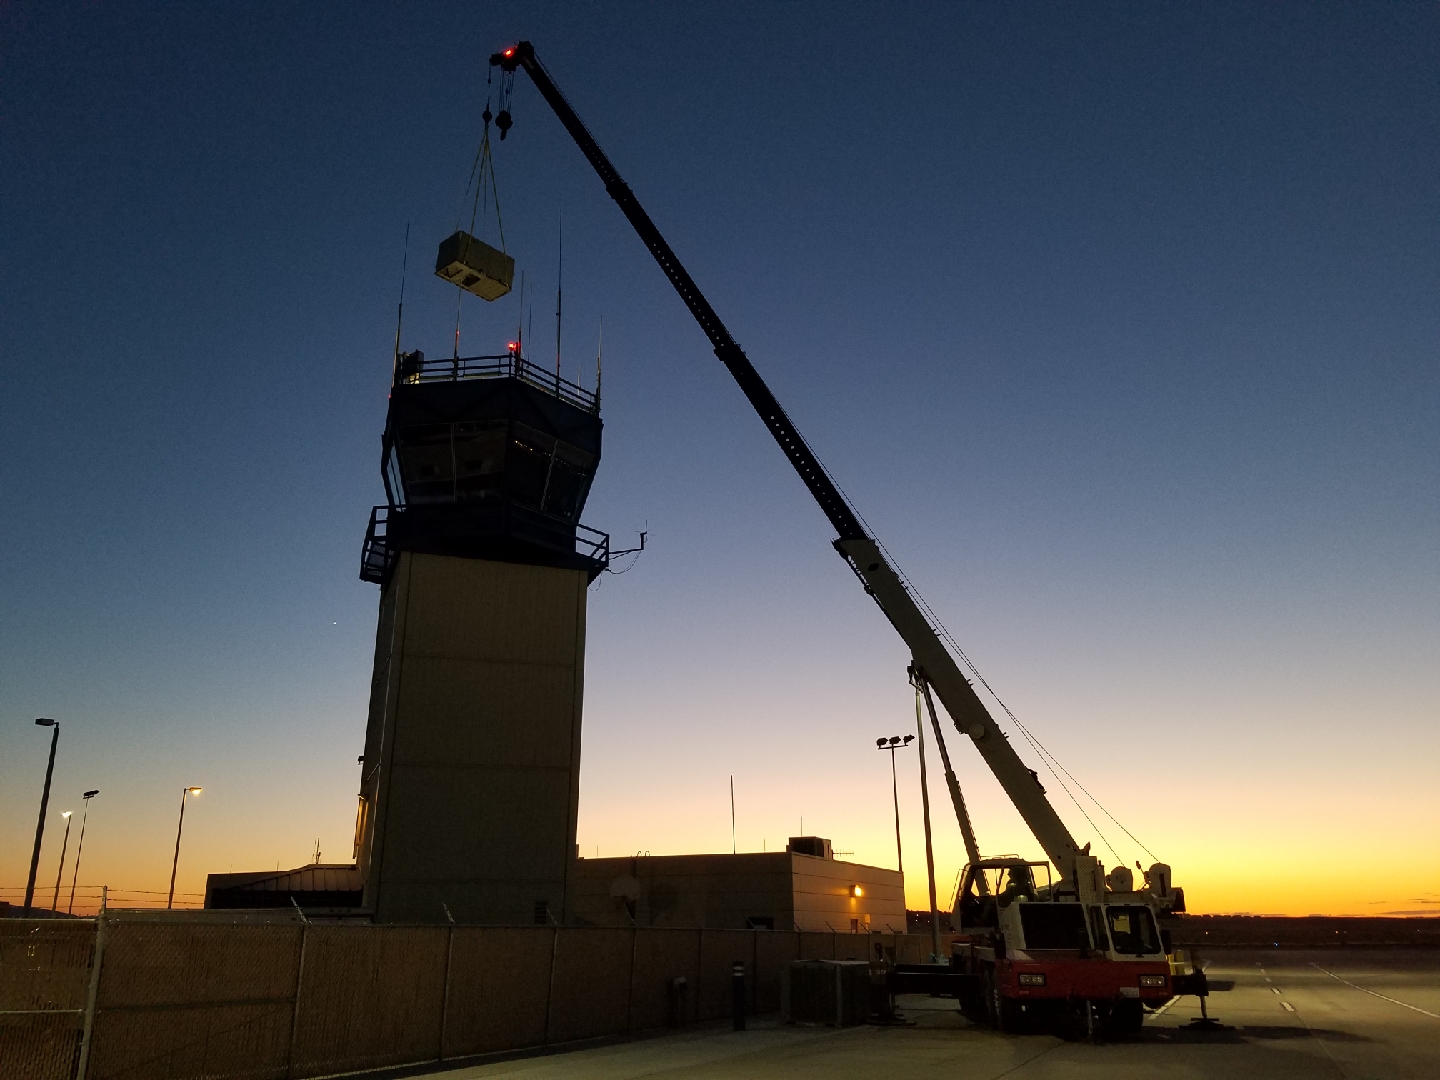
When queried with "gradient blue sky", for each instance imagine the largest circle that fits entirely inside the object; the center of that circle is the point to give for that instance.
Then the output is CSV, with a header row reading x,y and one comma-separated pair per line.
x,y
1117,322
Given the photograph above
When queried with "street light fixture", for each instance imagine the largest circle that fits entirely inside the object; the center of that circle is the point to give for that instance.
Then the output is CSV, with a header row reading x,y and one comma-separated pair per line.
x,y
43,721
80,847
184,792
60,870
893,743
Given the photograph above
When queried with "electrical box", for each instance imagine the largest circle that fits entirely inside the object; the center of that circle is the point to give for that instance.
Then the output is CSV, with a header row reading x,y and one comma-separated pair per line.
x,y
835,993
475,266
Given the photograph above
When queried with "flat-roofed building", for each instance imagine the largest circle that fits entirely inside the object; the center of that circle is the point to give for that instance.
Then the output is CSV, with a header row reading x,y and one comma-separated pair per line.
x,y
778,890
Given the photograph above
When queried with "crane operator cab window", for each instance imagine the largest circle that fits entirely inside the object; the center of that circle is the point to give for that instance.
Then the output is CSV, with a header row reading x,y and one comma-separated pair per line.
x,y
989,887
1016,883
1132,930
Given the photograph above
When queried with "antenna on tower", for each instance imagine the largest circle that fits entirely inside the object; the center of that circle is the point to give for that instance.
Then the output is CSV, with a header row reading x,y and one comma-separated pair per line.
x,y
520,329
559,295
400,312
599,349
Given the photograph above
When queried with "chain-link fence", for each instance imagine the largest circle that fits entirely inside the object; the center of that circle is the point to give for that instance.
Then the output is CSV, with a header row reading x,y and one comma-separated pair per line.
x,y
47,971
155,996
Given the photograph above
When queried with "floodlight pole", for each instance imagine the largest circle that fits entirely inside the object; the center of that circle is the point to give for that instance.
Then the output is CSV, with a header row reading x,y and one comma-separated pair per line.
x,y
60,870
44,802
892,744
180,829
80,848
895,793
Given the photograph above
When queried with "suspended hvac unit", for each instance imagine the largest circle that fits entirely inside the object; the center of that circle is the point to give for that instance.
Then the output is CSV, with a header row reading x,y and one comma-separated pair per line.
x,y
475,266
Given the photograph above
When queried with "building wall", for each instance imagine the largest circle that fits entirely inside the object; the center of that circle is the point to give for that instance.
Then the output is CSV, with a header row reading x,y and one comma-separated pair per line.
x,y
825,900
720,891
472,754
726,891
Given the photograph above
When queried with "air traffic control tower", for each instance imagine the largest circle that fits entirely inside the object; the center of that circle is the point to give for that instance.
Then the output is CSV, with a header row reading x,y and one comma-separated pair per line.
x,y
471,773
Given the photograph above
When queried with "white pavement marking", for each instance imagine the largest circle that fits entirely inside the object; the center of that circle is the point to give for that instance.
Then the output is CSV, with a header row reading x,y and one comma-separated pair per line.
x,y
1167,1004
1287,1006
1372,993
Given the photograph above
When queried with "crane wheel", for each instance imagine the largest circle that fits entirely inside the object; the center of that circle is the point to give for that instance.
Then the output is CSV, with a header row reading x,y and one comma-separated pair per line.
x,y
1126,1018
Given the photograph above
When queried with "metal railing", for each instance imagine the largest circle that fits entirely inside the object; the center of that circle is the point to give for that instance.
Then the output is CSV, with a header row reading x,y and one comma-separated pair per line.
x,y
377,558
415,368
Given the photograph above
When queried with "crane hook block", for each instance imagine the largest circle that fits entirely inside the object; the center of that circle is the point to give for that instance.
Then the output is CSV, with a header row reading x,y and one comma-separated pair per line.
x,y
475,266
504,122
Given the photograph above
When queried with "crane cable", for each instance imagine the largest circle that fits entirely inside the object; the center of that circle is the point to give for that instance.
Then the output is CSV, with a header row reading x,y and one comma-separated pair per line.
x,y
483,169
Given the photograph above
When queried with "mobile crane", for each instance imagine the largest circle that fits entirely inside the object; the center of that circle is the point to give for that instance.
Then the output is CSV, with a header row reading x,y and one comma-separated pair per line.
x,y
1085,945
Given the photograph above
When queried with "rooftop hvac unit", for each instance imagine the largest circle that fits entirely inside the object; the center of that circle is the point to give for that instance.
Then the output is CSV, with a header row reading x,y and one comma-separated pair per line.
x,y
835,993
475,266
817,846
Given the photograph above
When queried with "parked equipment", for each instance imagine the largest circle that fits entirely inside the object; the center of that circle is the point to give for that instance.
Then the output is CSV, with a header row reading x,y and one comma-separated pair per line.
x,y
1087,946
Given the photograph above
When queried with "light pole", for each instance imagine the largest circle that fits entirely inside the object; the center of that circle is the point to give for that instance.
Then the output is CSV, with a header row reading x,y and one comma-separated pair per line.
x,y
60,870
184,793
893,743
80,847
43,721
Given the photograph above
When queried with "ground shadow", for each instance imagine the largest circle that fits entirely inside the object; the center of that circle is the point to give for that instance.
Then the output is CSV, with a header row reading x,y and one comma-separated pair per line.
x,y
1286,1031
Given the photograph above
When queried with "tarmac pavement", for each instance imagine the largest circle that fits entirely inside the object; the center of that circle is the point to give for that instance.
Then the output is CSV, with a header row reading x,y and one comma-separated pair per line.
x,y
1348,1014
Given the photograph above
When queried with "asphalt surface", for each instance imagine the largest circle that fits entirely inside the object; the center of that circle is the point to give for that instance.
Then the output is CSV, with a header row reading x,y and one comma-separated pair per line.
x,y
1350,1014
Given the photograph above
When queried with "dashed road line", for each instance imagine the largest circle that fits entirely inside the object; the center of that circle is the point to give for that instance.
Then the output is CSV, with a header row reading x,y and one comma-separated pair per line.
x,y
1372,993
1287,1006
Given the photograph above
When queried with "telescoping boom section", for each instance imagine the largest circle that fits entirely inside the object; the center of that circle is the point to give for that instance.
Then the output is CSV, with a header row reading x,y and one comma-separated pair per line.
x,y
1083,887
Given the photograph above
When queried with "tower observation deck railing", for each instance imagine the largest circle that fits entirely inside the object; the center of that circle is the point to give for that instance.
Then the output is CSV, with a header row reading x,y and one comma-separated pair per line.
x,y
415,368
378,558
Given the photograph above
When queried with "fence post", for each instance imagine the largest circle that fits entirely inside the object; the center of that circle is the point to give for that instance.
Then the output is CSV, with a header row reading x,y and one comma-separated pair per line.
x,y
445,993
630,1001
755,969
295,1011
699,974
92,994
550,986
737,994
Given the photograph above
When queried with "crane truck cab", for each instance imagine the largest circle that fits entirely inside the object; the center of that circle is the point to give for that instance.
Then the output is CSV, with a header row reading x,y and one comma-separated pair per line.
x,y
1085,951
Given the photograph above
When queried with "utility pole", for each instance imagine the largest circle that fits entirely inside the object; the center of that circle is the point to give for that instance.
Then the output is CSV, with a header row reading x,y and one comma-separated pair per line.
x,y
43,721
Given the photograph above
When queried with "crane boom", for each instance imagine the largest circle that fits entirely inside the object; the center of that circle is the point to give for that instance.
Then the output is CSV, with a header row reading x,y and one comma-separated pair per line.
x,y
853,543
